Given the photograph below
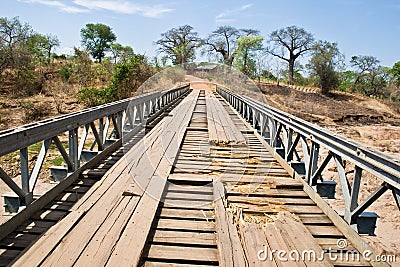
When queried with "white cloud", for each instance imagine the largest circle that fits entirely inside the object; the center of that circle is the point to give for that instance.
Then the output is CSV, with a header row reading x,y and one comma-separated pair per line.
x,y
226,16
116,6
124,7
58,4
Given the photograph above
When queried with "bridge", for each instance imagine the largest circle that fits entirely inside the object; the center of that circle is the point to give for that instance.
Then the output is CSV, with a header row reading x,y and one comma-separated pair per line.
x,y
197,175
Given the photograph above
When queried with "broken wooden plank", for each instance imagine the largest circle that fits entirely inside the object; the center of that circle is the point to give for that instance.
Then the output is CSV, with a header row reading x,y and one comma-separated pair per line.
x,y
254,241
230,249
298,236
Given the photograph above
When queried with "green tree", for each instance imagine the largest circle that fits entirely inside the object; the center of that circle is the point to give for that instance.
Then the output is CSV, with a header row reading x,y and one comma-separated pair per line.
x,y
179,44
289,44
371,78
42,45
97,38
347,79
223,42
120,52
247,46
395,72
325,58
13,48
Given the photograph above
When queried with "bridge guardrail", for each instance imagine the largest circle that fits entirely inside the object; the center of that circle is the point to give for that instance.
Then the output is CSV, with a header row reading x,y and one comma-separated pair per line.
x,y
298,142
106,123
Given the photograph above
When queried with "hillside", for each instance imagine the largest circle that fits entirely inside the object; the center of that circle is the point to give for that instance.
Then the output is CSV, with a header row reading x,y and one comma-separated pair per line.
x,y
367,120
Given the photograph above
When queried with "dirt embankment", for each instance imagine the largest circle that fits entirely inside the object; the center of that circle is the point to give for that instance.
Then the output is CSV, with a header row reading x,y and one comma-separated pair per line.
x,y
369,121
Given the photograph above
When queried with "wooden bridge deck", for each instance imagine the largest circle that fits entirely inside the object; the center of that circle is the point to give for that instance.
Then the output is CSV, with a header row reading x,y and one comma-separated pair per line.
x,y
164,203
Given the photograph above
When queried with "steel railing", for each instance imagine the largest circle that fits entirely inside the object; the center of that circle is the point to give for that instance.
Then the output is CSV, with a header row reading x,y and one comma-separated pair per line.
x,y
299,143
106,124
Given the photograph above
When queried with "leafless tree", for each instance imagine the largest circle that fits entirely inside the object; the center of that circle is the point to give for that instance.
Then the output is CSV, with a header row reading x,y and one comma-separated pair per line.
x,y
288,44
223,41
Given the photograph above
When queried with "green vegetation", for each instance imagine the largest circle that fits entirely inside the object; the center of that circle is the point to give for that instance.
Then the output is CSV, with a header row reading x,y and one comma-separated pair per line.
x,y
35,147
129,74
97,38
323,65
58,161
245,60
103,70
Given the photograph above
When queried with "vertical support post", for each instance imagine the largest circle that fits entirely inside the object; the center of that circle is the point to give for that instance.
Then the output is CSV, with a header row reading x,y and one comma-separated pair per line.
x,y
101,134
73,148
313,162
355,190
83,140
272,131
289,142
119,123
396,195
24,169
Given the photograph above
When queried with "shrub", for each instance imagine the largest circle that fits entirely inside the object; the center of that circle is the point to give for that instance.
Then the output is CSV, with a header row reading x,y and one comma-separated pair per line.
x,y
65,72
95,96
29,82
34,111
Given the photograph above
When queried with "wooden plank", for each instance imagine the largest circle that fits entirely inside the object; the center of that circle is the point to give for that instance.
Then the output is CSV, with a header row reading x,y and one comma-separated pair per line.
x,y
187,214
49,196
221,128
34,227
194,204
260,201
229,246
72,244
99,248
186,238
129,247
52,215
277,208
314,219
189,196
331,243
254,240
189,189
150,263
188,225
266,192
183,253
269,180
190,177
323,230
293,231
277,242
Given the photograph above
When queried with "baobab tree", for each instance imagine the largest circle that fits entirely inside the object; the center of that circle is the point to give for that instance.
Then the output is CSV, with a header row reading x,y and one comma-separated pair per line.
x,y
289,44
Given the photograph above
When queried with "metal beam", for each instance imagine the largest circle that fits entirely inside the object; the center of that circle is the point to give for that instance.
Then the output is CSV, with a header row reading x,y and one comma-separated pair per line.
x,y
39,163
318,173
396,195
11,184
63,153
371,199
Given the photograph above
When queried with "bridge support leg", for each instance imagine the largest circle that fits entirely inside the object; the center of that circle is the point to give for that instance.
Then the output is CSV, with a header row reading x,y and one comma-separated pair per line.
x,y
73,149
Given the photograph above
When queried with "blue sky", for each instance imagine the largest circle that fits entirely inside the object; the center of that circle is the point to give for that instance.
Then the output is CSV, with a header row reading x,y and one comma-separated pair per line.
x,y
360,27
